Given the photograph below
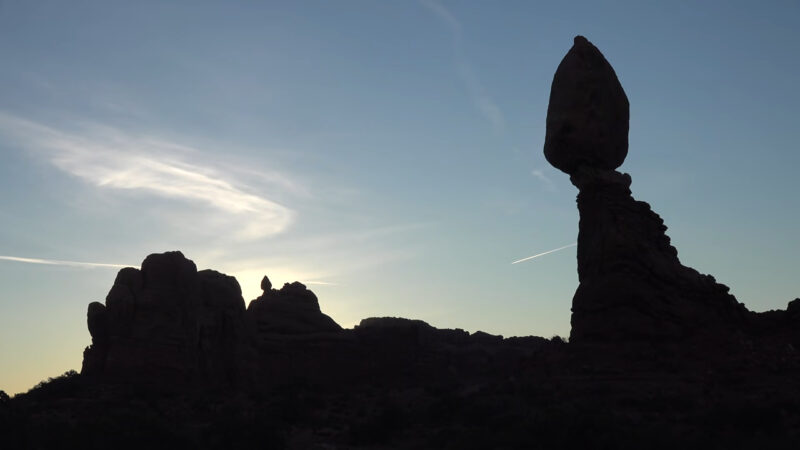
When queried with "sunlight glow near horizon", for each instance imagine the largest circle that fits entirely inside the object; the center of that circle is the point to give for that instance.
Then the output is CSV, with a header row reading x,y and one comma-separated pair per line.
x,y
249,280
391,150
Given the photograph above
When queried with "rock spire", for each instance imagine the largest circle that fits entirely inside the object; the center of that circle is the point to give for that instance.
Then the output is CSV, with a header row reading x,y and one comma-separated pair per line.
x,y
632,285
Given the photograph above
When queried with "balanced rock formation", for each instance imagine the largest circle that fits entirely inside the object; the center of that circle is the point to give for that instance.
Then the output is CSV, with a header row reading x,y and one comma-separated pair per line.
x,y
587,118
292,309
281,374
632,284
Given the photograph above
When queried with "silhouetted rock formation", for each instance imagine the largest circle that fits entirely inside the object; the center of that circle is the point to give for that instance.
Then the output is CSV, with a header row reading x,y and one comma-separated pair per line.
x,y
587,118
632,285
293,309
168,324
177,361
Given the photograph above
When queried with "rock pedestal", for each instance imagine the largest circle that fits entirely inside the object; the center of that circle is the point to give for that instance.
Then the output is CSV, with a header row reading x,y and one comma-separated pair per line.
x,y
632,285
291,310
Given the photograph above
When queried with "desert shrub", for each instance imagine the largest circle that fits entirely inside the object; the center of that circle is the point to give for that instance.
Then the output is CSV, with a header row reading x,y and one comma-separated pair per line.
x,y
64,385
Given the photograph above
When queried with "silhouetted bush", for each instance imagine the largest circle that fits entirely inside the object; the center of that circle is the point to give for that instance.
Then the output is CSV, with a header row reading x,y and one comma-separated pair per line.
x,y
64,385
12,424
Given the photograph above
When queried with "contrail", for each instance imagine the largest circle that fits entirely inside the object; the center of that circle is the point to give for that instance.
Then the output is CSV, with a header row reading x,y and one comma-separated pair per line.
x,y
57,262
320,283
545,253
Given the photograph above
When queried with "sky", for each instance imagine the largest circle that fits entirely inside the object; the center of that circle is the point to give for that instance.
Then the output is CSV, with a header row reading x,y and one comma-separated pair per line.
x,y
387,154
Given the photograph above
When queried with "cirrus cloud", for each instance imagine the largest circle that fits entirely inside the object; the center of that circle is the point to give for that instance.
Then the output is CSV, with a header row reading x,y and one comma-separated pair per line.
x,y
108,158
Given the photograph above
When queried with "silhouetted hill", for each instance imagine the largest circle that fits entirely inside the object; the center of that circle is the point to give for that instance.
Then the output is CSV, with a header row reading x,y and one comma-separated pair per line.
x,y
660,356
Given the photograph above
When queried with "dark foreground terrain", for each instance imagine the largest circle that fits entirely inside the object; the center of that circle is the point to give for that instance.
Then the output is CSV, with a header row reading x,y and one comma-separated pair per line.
x,y
401,389
659,355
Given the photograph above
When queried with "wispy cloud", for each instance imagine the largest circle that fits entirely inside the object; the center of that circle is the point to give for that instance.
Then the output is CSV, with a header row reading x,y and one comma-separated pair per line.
x,y
109,158
477,92
545,253
320,283
548,183
58,262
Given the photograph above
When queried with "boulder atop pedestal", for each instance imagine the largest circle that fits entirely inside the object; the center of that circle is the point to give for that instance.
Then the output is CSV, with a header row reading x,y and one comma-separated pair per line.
x,y
632,286
293,309
587,117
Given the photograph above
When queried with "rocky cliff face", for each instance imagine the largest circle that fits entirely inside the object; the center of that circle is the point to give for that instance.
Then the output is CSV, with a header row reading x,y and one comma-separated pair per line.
x,y
169,324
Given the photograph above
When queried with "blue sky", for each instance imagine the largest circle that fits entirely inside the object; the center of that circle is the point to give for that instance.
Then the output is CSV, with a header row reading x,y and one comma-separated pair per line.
x,y
389,154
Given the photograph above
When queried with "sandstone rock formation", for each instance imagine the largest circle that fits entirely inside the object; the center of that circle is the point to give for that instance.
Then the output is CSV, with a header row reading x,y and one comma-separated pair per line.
x,y
632,285
587,118
292,309
168,324
171,325
281,374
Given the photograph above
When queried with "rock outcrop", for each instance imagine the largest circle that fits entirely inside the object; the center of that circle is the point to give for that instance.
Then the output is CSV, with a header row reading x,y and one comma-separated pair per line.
x,y
632,284
281,374
291,310
173,326
168,324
